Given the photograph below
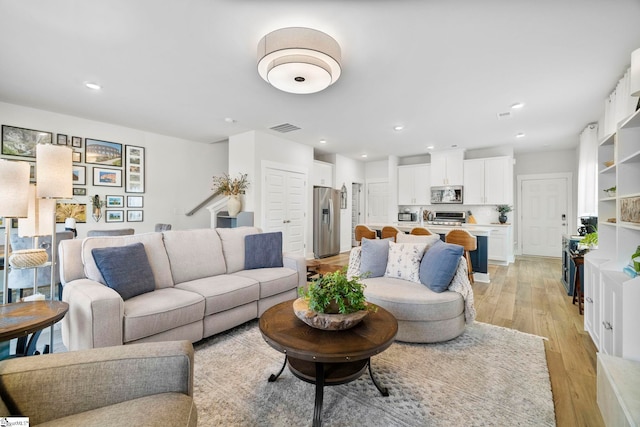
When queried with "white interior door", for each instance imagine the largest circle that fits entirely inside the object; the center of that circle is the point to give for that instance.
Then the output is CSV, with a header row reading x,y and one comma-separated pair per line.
x,y
285,202
544,214
378,202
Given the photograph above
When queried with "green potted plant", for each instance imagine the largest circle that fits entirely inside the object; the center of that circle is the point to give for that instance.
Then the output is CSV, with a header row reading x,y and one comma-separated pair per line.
x,y
503,209
333,302
611,192
590,240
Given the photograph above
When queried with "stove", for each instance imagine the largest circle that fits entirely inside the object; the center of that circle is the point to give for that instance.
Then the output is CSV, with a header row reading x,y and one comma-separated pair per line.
x,y
450,219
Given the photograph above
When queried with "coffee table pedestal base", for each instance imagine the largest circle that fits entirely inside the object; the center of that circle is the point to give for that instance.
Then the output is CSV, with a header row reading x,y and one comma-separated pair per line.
x,y
329,374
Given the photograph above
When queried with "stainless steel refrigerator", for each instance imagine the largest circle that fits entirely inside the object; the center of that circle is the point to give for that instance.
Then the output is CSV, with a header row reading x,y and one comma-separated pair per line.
x,y
326,222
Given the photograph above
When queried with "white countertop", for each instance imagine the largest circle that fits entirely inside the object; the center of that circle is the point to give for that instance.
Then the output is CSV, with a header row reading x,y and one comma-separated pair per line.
x,y
475,229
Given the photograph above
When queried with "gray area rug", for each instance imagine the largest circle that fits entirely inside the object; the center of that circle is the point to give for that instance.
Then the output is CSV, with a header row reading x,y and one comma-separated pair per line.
x,y
489,376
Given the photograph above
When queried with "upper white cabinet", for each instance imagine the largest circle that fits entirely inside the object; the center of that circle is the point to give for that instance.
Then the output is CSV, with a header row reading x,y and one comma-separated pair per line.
x,y
488,181
414,184
447,167
322,174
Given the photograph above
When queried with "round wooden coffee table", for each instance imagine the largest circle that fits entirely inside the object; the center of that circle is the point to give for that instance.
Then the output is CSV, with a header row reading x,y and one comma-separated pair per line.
x,y
327,357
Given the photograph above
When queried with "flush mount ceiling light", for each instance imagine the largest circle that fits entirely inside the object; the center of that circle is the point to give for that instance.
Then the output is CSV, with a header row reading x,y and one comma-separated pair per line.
x,y
299,60
92,85
520,135
517,105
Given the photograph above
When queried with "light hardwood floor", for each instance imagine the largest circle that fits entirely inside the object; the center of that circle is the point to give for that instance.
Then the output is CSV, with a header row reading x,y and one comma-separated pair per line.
x,y
528,296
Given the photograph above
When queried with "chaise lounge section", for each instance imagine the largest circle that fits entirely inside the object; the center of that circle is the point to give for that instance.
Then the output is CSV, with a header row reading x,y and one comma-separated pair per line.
x,y
200,286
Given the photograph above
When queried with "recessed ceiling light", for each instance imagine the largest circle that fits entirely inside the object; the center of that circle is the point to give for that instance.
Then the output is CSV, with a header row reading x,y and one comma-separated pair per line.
x,y
364,156
430,147
520,135
398,128
94,86
323,141
454,146
517,105
229,120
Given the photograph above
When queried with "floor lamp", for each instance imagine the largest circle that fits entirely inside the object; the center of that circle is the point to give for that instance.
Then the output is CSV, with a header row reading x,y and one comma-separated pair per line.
x,y
14,191
37,223
54,172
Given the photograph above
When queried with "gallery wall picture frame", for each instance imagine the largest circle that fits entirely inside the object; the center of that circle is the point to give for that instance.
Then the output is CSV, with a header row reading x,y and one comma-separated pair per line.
x,y
136,215
135,201
76,142
102,152
61,139
134,169
79,174
32,171
114,201
105,177
76,156
22,142
79,191
77,211
111,215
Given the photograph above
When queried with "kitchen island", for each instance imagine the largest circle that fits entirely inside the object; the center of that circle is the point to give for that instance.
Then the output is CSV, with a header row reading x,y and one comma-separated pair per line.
x,y
479,257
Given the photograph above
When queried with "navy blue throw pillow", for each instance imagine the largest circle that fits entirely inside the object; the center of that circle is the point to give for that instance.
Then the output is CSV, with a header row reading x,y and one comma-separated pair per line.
x,y
439,264
125,269
263,250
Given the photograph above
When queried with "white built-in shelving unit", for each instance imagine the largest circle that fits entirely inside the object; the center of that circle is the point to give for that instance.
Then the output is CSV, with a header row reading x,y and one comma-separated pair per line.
x,y
612,298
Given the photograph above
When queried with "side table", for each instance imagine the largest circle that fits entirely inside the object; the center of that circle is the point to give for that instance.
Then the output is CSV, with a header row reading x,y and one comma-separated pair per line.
x,y
25,321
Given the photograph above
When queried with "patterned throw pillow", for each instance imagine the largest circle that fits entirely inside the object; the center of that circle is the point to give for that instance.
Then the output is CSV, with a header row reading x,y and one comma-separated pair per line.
x,y
404,261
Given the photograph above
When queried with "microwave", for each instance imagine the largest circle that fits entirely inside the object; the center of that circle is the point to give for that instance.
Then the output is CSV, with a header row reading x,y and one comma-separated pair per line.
x,y
407,216
446,194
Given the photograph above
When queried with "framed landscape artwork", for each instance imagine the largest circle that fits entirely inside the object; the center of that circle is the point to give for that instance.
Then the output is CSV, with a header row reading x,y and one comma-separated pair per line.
x,y
114,216
114,201
76,156
104,177
22,142
79,174
102,152
134,169
78,191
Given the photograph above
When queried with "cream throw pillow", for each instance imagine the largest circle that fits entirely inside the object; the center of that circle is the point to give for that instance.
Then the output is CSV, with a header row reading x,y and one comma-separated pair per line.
x,y
404,261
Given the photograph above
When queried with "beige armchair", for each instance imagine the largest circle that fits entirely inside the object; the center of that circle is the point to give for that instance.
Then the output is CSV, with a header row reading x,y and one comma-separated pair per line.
x,y
148,384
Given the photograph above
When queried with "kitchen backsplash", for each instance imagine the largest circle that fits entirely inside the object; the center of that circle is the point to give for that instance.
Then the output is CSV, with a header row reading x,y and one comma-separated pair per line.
x,y
484,214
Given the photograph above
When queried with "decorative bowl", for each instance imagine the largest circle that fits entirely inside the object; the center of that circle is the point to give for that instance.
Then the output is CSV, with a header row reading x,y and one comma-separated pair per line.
x,y
28,258
608,163
326,321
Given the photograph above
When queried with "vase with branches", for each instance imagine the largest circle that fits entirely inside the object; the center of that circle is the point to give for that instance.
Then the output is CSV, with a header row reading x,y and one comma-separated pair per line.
x,y
232,187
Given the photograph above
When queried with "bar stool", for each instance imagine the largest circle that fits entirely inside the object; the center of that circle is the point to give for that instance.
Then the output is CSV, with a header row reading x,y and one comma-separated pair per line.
x,y
578,260
389,231
420,231
468,241
361,231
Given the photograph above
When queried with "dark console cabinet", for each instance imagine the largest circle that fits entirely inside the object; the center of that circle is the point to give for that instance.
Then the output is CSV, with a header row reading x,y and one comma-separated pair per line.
x,y
569,243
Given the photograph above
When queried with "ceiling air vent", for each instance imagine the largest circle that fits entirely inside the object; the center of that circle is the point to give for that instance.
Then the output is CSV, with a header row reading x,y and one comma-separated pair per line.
x,y
285,127
505,115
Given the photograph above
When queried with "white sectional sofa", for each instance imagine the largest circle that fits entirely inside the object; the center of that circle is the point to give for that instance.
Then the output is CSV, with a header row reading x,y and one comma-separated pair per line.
x,y
200,287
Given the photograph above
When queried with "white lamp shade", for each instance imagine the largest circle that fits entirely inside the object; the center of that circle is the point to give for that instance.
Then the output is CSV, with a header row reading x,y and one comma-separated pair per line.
x,y
635,73
14,189
54,171
39,222
70,223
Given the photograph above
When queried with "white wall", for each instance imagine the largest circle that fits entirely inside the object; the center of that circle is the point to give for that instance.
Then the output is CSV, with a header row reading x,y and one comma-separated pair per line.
x,y
178,172
347,172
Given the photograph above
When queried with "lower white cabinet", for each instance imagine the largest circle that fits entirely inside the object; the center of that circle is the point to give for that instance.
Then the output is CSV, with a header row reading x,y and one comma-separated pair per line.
x,y
500,245
611,315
